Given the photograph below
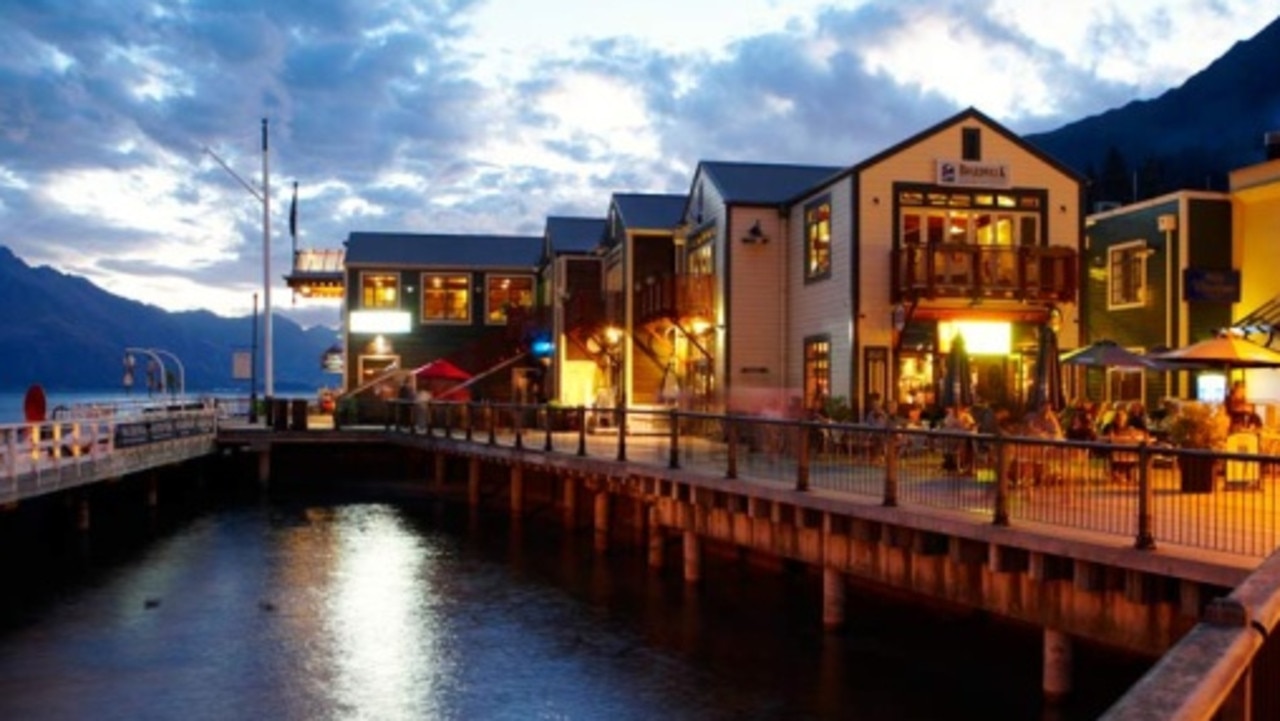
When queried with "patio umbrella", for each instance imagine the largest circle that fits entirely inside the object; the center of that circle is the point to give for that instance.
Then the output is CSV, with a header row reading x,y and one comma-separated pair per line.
x,y
957,382
441,369
1224,351
1106,354
1048,381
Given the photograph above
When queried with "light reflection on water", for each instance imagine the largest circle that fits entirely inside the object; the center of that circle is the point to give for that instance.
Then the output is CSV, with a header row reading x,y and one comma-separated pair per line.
x,y
376,612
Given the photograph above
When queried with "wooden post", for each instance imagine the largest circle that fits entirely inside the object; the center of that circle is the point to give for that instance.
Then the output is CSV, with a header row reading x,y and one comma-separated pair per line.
x,y
570,508
1057,665
438,475
657,540
833,590
602,521
692,556
264,467
517,489
1146,540
473,483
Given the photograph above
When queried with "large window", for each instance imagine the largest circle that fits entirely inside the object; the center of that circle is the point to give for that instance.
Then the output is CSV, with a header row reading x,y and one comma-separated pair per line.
x,y
817,235
507,291
446,298
379,290
817,371
1127,281
701,259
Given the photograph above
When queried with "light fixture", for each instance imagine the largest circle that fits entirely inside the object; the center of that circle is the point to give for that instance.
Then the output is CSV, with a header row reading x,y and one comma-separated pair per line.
x,y
755,234
1055,318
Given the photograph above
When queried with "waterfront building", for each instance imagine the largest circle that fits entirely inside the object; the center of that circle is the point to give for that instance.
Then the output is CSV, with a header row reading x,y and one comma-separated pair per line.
x,y
571,309
415,298
1255,202
963,228
1159,274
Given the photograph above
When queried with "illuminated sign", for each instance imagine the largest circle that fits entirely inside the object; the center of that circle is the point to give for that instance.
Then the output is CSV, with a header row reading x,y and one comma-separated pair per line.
x,y
970,173
379,321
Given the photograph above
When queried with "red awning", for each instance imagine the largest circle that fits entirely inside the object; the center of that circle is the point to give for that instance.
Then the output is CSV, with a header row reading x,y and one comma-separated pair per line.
x,y
441,369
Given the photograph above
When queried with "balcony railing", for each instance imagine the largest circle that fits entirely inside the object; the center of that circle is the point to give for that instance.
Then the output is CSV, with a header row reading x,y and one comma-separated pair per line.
x,y
984,271
675,296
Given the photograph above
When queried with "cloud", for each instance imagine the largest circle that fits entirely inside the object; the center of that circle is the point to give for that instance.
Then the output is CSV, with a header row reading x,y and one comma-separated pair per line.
x,y
488,115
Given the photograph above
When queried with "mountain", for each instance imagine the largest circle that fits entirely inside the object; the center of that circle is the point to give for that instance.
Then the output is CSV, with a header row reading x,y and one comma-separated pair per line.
x,y
1187,138
66,333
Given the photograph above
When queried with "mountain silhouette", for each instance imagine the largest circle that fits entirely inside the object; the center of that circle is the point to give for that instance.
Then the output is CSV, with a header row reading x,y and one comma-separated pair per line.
x,y
68,334
1188,138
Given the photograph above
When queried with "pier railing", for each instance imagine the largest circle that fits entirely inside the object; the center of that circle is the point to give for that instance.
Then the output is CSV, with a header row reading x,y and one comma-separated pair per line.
x,y
88,443
1151,494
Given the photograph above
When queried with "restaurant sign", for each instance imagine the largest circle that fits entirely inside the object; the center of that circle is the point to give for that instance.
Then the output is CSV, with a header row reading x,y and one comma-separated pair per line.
x,y
1211,286
971,173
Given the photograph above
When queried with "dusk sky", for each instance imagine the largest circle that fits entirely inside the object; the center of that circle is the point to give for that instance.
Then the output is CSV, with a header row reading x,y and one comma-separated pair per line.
x,y
485,116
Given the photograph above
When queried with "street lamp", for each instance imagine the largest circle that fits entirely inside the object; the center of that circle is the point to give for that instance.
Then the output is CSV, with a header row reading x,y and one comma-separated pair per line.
x,y
265,198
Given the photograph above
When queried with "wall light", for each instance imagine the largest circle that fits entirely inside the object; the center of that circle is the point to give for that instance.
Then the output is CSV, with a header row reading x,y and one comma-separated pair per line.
x,y
755,234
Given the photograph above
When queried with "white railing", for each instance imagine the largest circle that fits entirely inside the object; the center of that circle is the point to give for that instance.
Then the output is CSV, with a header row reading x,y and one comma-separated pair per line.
x,y
34,456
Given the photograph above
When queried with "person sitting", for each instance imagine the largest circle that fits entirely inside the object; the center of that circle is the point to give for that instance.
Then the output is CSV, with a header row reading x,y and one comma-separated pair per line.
x,y
959,451
1123,463
1081,426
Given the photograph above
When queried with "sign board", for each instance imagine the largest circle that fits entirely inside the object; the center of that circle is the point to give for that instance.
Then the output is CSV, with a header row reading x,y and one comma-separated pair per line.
x,y
242,365
1211,286
973,174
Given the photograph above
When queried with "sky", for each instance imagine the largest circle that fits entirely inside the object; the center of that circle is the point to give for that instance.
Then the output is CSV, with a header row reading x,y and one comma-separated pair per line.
x,y
486,116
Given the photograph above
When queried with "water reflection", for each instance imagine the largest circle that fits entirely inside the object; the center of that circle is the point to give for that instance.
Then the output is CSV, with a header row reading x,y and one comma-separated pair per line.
x,y
372,611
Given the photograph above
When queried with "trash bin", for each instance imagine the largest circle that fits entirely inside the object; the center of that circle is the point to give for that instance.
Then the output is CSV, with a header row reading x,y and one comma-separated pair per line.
x,y
298,411
279,414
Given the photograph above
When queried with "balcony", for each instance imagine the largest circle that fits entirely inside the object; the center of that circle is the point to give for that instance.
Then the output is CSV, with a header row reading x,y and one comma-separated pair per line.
x,y
317,273
675,297
1045,274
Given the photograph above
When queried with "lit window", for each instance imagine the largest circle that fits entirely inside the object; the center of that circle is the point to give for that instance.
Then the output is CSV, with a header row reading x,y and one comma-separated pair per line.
x,y
701,260
379,290
507,291
446,298
817,371
817,232
1127,281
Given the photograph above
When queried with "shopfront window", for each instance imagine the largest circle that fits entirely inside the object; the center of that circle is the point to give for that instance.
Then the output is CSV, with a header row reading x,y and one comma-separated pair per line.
x,y
506,291
446,298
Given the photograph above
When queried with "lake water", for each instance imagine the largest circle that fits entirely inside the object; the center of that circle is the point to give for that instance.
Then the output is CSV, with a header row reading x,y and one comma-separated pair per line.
x,y
330,609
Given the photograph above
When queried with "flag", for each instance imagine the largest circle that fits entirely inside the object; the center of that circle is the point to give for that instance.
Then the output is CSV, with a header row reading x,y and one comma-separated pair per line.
x,y
293,213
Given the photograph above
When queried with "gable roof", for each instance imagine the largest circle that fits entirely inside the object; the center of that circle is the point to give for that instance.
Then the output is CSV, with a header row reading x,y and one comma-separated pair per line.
x,y
443,250
970,113
763,183
574,235
641,211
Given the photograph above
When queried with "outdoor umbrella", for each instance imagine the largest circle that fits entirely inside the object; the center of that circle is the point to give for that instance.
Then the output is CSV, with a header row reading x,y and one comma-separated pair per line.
x,y
1224,351
957,383
442,379
1106,354
1048,381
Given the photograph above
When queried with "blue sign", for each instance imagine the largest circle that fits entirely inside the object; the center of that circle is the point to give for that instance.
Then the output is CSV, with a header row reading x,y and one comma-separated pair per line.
x,y
1211,286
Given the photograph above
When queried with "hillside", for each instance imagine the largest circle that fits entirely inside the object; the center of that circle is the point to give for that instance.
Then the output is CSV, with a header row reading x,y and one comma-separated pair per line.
x,y
66,333
1187,138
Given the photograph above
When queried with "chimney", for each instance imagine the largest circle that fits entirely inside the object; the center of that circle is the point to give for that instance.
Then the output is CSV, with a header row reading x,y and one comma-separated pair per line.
x,y
1272,141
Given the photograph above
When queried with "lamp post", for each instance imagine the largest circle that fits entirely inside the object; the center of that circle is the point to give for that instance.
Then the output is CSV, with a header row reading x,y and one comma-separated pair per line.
x,y
265,198
154,354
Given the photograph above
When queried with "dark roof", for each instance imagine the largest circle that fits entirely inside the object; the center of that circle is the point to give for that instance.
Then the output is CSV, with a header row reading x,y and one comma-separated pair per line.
x,y
435,250
764,183
574,235
649,212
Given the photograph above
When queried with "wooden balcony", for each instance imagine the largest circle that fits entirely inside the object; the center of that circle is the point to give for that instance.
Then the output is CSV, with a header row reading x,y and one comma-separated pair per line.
x,y
1045,274
675,297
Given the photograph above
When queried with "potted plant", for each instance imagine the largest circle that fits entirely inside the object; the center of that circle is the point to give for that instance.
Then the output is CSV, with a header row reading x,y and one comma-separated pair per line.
x,y
1198,426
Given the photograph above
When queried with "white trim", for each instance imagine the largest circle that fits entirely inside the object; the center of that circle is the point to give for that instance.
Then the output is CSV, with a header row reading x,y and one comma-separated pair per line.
x,y
1132,245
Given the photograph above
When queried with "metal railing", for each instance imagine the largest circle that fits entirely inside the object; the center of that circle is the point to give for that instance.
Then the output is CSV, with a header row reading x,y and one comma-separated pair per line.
x,y
1151,494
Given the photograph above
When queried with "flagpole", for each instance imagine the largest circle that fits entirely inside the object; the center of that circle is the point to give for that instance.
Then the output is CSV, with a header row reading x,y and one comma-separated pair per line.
x,y
268,362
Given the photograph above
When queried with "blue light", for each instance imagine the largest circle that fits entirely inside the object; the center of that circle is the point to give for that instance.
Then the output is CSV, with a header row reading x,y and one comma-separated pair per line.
x,y
542,347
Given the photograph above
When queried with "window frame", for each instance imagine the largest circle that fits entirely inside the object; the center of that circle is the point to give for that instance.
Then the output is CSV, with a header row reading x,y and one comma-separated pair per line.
x,y
814,225
427,291
368,275
489,311
1135,253
816,360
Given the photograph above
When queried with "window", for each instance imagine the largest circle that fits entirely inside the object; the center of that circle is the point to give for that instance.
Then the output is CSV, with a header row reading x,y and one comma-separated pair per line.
x,y
817,247
1125,385
379,290
1127,281
971,144
446,298
507,291
817,371
701,260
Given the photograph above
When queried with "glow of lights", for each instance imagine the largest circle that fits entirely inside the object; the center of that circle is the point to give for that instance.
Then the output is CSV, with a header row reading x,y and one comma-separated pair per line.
x,y
379,321
981,337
